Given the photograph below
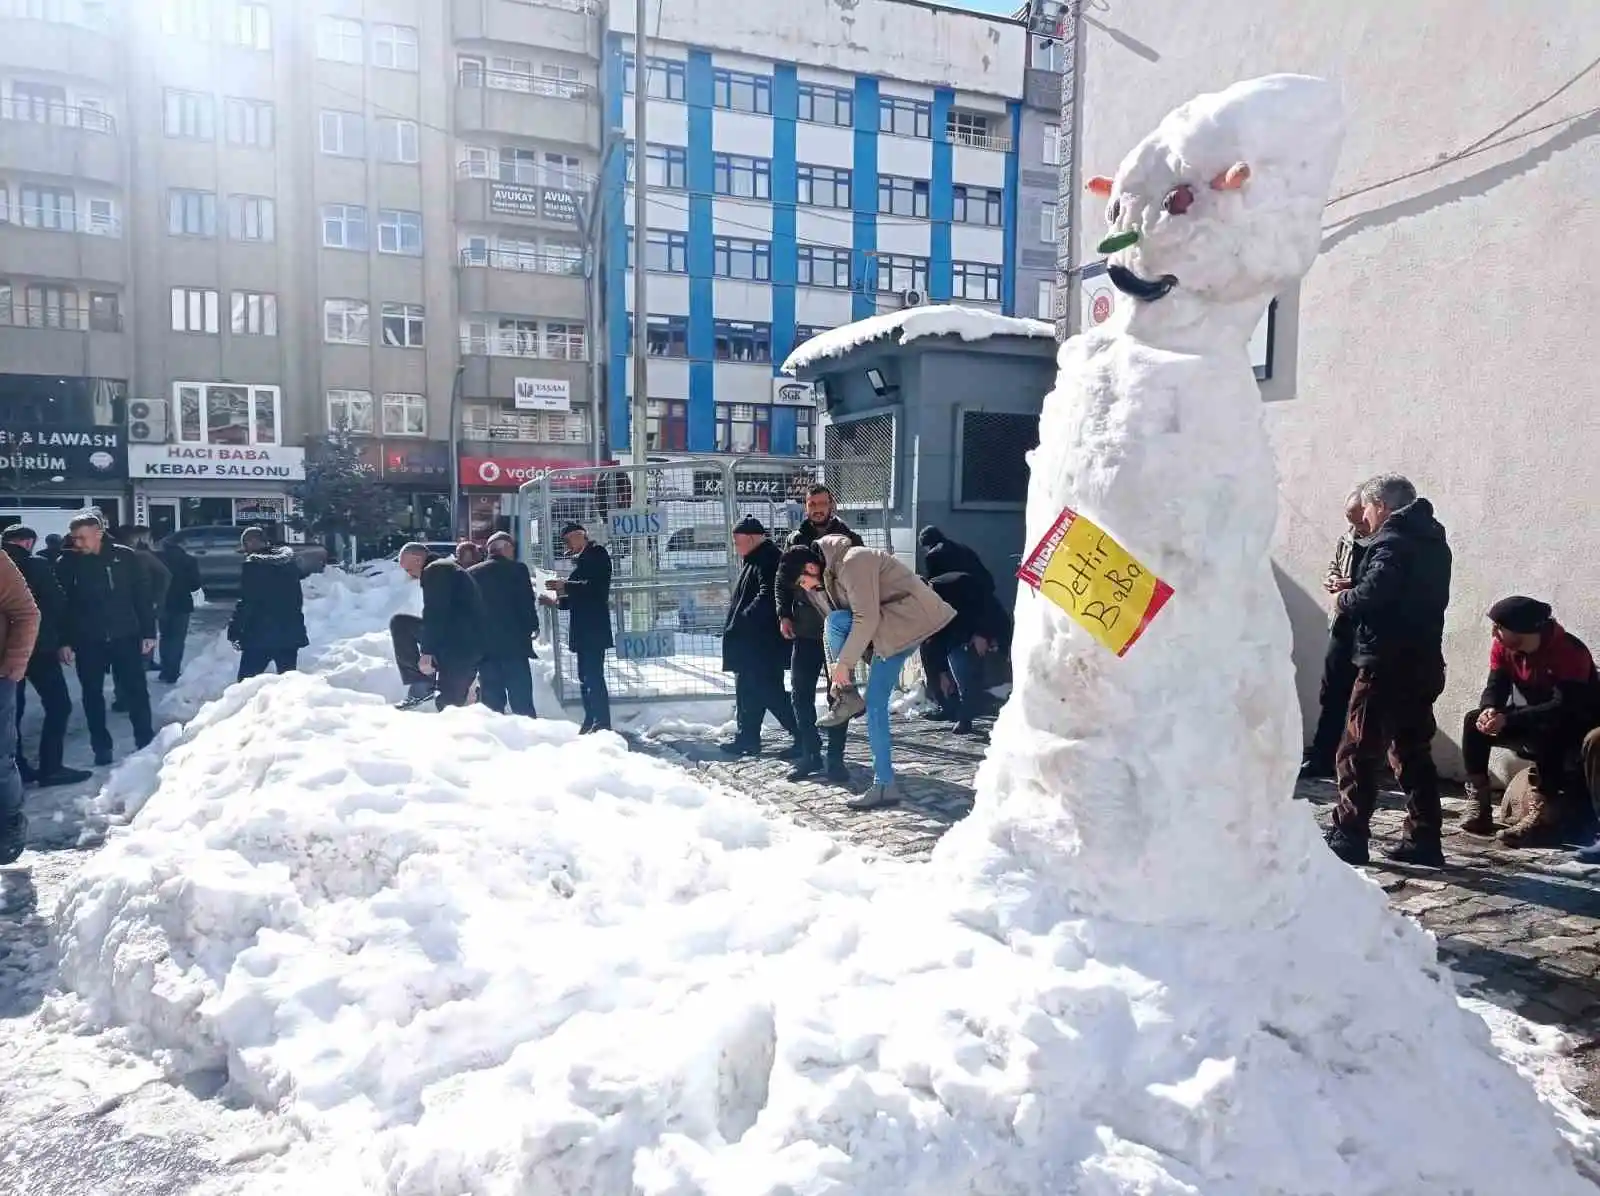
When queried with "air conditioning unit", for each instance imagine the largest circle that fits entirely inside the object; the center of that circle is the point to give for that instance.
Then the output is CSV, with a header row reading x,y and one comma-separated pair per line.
x,y
912,298
147,421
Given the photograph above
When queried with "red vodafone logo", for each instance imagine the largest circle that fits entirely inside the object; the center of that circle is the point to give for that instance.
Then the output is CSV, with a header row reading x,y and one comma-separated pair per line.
x,y
488,473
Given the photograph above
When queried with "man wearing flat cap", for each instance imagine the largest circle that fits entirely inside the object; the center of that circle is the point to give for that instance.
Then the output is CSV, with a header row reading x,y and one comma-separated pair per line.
x,y
585,594
1541,700
753,648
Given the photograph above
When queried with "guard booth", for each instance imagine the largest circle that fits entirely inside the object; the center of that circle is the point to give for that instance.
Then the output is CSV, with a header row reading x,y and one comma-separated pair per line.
x,y
668,526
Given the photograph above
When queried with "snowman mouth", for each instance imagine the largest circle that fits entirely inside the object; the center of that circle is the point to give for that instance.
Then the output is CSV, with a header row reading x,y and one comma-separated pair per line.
x,y
1143,289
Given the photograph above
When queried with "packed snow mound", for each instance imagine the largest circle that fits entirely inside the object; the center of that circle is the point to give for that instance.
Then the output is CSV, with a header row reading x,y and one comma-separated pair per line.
x,y
969,323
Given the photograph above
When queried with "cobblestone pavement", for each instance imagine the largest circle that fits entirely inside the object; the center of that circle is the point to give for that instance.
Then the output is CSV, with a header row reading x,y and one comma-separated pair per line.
x,y
1521,927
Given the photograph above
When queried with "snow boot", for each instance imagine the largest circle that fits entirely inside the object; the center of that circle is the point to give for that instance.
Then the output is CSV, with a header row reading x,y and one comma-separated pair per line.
x,y
1480,807
804,769
1348,847
847,703
793,752
837,771
878,797
1540,824
13,838
964,727
739,749
418,693
1423,851
64,776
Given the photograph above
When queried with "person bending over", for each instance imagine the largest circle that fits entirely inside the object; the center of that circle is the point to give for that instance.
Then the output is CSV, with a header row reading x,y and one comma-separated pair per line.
x,y
438,653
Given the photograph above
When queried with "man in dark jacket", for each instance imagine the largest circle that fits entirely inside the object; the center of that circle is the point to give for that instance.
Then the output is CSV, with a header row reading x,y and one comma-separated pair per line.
x,y
753,649
178,608
957,650
1398,600
1541,700
44,666
268,626
438,654
51,551
940,555
157,582
1339,664
109,625
585,594
510,623
799,622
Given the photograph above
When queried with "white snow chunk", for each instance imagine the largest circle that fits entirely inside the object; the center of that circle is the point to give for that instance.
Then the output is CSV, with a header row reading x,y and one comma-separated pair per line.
x,y
969,323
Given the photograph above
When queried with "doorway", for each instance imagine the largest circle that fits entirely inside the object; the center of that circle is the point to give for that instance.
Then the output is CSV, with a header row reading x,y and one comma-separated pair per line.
x,y
163,519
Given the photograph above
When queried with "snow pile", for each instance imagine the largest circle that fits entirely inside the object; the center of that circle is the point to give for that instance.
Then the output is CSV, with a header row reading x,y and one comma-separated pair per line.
x,y
969,323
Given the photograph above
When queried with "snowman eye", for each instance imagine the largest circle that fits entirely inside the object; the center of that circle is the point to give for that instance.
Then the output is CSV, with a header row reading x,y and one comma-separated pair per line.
x,y
1178,200
1114,212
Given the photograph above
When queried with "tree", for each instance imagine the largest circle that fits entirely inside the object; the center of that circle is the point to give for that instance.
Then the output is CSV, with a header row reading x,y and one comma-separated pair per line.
x,y
341,495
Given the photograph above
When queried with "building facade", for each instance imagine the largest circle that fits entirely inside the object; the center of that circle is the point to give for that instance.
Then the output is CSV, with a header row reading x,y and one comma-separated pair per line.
x,y
1446,330
807,164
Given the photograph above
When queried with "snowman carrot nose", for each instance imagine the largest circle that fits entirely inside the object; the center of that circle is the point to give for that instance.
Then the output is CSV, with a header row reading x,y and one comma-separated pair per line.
x,y
1119,241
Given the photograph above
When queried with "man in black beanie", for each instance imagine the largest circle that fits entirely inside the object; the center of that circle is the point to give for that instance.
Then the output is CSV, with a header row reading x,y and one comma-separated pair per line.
x,y
1542,698
753,648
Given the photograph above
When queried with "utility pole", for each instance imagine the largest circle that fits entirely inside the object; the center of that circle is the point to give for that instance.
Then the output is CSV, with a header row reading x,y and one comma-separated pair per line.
x,y
639,422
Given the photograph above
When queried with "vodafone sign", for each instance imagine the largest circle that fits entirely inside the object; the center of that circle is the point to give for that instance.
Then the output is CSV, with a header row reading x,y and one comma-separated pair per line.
x,y
507,473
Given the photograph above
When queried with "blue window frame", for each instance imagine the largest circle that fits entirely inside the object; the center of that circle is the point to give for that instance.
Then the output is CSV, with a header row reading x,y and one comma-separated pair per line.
x,y
738,91
905,118
898,272
977,205
899,196
742,176
823,266
741,340
823,186
665,251
665,336
979,281
740,257
665,78
665,166
824,105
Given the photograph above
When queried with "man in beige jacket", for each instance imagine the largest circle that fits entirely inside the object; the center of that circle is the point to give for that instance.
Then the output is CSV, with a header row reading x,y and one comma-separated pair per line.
x,y
869,601
19,627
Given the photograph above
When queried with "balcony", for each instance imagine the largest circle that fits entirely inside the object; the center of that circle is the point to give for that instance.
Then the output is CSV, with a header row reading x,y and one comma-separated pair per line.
x,y
63,340
491,366
555,110
497,281
560,24
972,139
82,49
530,427
481,199
66,245
58,139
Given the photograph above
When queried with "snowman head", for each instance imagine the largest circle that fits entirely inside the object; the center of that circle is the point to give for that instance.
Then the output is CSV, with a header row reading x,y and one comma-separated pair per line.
x,y
1224,200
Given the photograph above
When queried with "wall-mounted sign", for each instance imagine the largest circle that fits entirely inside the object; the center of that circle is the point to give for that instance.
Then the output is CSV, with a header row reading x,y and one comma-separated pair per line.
x,y
218,462
645,645
507,473
775,485
37,454
558,204
513,199
626,525
786,392
1099,299
542,394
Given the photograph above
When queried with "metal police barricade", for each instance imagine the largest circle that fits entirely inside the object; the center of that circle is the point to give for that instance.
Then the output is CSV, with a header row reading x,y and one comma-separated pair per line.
x,y
774,490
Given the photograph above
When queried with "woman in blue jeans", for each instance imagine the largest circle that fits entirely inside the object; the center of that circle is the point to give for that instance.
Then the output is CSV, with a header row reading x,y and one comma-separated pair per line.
x,y
871,602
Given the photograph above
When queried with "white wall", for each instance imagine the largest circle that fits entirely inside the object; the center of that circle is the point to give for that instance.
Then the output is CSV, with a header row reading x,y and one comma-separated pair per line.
x,y
1447,331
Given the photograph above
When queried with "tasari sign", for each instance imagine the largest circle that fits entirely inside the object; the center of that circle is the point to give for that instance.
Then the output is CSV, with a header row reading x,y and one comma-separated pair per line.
x,y
217,462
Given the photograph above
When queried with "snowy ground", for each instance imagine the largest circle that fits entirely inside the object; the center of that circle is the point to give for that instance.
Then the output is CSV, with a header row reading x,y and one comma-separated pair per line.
x,y
342,949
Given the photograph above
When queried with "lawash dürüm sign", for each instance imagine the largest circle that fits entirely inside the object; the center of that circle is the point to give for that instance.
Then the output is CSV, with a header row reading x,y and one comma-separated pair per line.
x,y
35,453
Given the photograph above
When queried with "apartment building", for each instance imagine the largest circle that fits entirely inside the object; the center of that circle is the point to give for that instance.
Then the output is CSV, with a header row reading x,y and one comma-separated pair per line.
x,y
1039,159
807,163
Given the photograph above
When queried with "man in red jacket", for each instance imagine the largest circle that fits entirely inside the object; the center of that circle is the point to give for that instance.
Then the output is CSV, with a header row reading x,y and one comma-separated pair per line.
x,y
1542,699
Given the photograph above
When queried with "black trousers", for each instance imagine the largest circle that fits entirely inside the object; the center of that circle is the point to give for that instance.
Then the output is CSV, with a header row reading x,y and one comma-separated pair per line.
x,y
506,681
255,659
1553,744
174,635
125,662
452,679
1338,679
806,668
1391,711
935,664
592,688
756,690
50,683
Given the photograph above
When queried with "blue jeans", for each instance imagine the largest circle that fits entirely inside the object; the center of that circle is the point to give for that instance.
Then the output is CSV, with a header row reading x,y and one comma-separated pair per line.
x,y
964,668
881,676
13,826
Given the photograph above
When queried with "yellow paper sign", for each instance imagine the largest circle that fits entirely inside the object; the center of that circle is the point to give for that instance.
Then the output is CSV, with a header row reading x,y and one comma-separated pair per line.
x,y
1097,581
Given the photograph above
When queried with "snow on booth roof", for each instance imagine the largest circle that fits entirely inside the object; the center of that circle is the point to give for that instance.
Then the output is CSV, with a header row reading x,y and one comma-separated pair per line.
x,y
969,323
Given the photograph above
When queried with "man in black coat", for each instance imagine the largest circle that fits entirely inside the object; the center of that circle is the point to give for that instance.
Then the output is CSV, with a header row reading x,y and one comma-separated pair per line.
x,y
44,666
438,654
585,594
109,625
799,622
753,647
957,651
179,607
268,625
1397,600
942,556
510,623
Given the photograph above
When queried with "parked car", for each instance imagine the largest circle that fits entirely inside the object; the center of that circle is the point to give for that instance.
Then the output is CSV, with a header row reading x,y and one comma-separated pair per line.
x,y
215,549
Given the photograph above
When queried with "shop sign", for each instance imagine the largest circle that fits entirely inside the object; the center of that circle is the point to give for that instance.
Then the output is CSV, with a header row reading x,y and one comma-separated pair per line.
x,y
415,461
513,199
773,485
558,204
37,454
542,394
786,392
507,473
217,462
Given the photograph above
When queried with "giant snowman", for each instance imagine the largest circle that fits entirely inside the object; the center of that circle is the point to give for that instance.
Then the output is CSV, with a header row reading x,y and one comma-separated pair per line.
x,y
1135,969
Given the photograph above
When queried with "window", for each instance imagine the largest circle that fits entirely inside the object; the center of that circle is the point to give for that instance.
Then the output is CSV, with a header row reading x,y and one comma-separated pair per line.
x,y
823,186
1047,300
343,133
476,161
905,118
664,166
665,78
742,176
399,232
567,80
744,428
741,92
1047,223
667,428
993,448
1045,55
804,332
52,307
394,47
805,419
562,257
744,342
52,208
902,197
102,218
664,251
350,409
823,266
344,226
403,325
517,165
186,18
43,103
398,140
975,280
565,342
1052,145
194,309
969,128
345,322
189,114
405,415
105,311
251,26
252,218
976,205
665,336
248,122
899,273
564,171
827,105
253,313
739,257
339,40
191,213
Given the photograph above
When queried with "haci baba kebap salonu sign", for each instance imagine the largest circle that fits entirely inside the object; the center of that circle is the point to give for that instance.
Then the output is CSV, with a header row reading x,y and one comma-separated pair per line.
x,y
217,462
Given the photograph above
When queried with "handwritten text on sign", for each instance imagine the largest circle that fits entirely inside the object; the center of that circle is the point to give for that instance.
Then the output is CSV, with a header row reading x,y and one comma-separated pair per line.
x,y
1096,581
